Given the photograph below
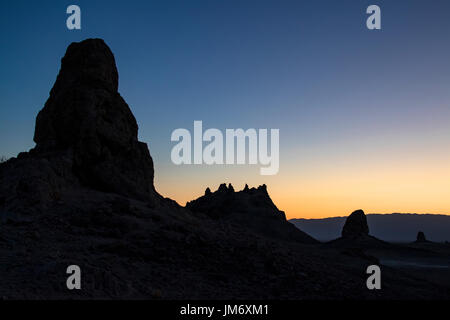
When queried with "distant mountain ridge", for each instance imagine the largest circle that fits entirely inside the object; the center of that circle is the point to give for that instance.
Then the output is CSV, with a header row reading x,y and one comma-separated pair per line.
x,y
395,227
85,195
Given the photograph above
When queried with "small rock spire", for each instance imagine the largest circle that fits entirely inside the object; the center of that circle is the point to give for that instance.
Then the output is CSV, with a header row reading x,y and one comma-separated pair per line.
x,y
355,225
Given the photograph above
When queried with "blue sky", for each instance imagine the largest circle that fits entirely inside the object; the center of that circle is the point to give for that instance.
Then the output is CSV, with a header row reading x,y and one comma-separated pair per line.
x,y
339,93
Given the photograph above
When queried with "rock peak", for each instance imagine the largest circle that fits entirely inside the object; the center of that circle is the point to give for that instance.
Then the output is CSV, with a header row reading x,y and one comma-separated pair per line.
x,y
356,225
89,62
421,237
86,118
251,208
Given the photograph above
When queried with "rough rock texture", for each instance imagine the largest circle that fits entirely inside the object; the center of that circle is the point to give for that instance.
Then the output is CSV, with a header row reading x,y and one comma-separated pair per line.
x,y
85,196
251,208
86,118
355,225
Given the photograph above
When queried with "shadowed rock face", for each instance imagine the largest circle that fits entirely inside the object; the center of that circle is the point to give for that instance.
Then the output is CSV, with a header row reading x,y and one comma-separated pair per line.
x,y
421,237
252,209
235,247
355,225
87,118
355,235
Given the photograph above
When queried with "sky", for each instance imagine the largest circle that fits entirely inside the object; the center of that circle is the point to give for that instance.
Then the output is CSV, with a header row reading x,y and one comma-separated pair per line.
x,y
364,115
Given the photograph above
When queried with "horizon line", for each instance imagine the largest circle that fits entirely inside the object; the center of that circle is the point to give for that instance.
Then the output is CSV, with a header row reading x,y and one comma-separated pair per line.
x,y
379,214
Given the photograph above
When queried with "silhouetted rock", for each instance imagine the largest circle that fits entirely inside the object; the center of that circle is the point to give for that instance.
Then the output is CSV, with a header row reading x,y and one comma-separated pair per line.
x,y
355,234
85,196
249,208
86,136
222,188
421,237
355,225
86,118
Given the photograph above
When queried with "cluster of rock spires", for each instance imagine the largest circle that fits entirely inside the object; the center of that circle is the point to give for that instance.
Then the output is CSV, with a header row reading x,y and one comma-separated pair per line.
x,y
85,135
86,139
251,208
85,195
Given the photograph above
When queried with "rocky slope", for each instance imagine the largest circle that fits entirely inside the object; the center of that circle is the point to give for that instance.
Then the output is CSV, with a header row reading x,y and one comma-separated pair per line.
x,y
85,196
251,208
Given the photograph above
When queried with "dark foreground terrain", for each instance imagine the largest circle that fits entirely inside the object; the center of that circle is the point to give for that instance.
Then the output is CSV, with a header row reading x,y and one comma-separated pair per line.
x,y
85,196
427,261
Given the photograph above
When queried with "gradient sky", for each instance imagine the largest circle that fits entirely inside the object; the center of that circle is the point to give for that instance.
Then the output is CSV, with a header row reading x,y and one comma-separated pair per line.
x,y
364,116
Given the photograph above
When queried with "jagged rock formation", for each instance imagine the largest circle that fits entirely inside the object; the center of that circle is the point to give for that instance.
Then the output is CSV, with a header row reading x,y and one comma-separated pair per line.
x,y
250,208
85,135
356,225
85,196
86,115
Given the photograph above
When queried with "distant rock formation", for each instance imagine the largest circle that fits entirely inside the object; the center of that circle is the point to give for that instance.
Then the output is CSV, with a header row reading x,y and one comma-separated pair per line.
x,y
397,227
85,195
421,237
250,208
356,225
355,233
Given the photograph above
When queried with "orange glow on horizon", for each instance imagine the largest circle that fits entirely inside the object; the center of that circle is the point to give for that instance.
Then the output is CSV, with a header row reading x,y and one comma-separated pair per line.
x,y
383,185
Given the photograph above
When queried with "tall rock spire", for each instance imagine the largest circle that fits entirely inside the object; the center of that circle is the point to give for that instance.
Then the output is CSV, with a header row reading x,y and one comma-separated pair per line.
x,y
86,117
